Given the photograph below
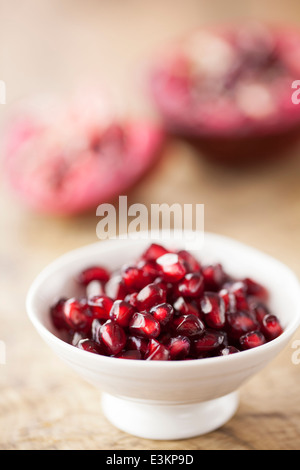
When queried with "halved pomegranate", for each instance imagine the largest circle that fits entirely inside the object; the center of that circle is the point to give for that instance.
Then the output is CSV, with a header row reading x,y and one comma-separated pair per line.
x,y
72,156
228,89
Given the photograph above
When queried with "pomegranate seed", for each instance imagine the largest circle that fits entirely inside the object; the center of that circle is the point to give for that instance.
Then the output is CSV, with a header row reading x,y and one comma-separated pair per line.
x,y
179,347
94,273
229,300
134,354
96,329
78,315
135,278
149,269
76,337
157,352
252,339
271,327
145,325
259,311
256,290
239,323
171,267
100,306
228,350
213,310
185,307
90,346
239,290
137,343
121,312
154,251
192,285
132,299
150,296
190,262
113,337
162,313
188,325
214,277
57,314
209,341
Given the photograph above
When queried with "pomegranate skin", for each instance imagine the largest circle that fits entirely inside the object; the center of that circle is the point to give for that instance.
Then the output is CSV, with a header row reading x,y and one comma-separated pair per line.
x,y
65,160
227,90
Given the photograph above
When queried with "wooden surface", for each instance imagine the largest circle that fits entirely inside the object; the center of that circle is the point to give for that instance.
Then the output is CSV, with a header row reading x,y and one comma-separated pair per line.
x,y
50,45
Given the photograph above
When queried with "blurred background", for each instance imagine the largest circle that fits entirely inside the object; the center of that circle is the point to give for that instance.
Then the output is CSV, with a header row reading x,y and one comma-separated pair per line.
x,y
52,47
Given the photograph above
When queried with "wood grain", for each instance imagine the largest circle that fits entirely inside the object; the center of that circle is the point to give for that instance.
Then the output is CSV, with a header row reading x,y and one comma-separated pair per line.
x,y
49,46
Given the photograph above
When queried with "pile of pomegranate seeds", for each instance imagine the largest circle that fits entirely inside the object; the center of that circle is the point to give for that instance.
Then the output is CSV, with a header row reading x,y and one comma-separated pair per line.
x,y
165,306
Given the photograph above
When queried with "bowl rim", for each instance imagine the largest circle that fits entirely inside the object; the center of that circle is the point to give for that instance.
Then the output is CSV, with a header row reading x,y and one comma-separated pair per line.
x,y
194,363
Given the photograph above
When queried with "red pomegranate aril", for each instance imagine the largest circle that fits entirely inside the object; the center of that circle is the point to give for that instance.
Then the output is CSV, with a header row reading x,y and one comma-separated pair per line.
x,y
239,323
214,277
228,350
113,337
192,285
136,278
255,289
132,299
145,325
157,352
179,347
94,273
130,354
259,310
149,296
121,312
76,337
239,290
162,313
172,269
229,300
252,339
57,314
90,346
137,343
154,251
149,269
188,325
190,262
78,315
184,307
100,306
210,340
213,310
271,327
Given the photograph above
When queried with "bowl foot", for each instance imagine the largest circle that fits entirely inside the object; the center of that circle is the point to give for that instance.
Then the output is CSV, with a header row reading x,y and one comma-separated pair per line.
x,y
160,421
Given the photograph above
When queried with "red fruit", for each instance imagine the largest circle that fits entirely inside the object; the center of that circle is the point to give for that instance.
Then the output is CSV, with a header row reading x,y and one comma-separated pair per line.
x,y
135,278
188,325
78,315
145,325
132,299
214,277
137,343
190,262
228,350
179,347
252,339
239,290
239,323
184,307
192,285
134,354
157,352
75,154
100,306
57,315
162,313
89,345
150,296
271,327
94,273
113,337
227,89
255,289
229,300
210,340
154,251
171,267
121,312
213,310
259,310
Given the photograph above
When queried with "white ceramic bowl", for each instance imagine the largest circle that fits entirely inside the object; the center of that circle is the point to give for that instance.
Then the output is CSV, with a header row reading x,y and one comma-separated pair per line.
x,y
162,399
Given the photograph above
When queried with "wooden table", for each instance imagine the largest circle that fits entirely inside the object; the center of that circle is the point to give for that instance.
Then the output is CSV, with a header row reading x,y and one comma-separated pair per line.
x,y
51,45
